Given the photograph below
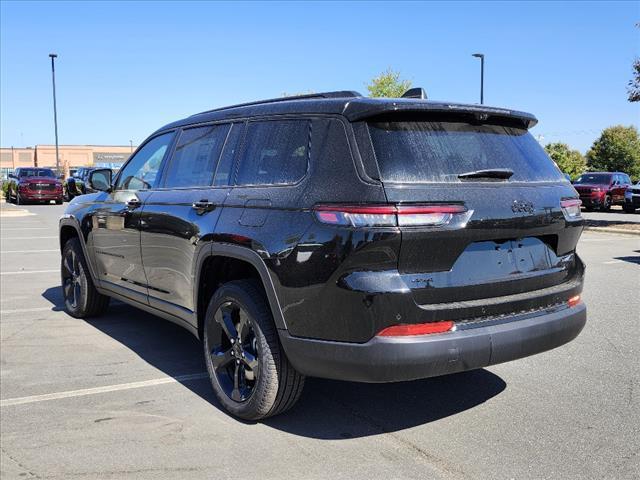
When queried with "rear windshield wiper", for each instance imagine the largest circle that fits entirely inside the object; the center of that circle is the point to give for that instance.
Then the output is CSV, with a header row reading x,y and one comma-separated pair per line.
x,y
499,173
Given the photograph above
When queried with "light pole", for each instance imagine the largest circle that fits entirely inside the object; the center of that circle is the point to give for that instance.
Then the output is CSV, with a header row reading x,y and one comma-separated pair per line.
x,y
481,57
55,111
131,146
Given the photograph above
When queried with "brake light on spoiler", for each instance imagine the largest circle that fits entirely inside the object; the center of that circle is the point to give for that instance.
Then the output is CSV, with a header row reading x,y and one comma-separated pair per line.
x,y
392,215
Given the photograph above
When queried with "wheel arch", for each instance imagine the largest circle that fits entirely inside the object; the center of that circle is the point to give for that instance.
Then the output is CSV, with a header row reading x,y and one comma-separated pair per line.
x,y
226,262
69,229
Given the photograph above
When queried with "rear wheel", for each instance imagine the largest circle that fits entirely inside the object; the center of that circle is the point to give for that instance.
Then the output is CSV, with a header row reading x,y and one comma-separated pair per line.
x,y
250,374
19,200
628,209
606,204
81,299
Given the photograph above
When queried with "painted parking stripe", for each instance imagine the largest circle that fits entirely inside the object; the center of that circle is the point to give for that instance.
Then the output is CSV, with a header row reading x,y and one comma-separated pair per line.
x,y
26,228
26,310
26,238
106,389
25,272
28,251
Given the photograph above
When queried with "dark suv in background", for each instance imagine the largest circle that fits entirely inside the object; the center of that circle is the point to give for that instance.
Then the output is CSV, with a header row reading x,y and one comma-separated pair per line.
x,y
78,183
602,189
337,236
34,185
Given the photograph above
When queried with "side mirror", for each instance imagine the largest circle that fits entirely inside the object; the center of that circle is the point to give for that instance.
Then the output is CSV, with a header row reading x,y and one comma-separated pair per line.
x,y
100,179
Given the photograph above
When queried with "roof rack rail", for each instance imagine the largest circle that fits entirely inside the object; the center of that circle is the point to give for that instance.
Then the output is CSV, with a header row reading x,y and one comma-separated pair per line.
x,y
337,94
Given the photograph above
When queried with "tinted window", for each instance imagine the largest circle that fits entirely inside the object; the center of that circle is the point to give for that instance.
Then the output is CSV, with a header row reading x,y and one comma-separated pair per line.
x,y
419,151
36,172
196,156
594,178
625,179
275,152
141,172
225,165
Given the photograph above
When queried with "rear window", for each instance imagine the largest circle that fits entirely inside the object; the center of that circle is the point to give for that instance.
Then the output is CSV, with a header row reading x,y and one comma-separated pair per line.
x,y
421,151
595,178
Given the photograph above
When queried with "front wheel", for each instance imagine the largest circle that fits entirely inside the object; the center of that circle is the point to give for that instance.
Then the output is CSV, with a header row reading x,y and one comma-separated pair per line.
x,y
628,209
606,204
81,299
249,371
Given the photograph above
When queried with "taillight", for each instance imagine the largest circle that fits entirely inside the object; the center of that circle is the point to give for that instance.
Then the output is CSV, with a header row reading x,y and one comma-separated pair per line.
x,y
390,215
573,301
417,329
571,208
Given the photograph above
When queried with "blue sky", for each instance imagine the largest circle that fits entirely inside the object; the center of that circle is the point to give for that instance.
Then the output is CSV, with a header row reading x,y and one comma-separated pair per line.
x,y
124,69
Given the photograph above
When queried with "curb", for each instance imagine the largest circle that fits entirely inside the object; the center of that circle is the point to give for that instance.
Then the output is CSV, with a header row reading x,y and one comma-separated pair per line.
x,y
622,231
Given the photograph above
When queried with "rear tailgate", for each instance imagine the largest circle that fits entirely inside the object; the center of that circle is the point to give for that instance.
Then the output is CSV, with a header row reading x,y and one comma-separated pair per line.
x,y
512,250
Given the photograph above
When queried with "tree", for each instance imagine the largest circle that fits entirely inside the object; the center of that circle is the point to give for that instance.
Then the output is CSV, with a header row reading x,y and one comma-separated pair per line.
x,y
388,84
617,149
634,83
569,161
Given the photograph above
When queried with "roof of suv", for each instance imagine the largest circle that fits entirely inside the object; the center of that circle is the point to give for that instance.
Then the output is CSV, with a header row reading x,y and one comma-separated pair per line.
x,y
350,104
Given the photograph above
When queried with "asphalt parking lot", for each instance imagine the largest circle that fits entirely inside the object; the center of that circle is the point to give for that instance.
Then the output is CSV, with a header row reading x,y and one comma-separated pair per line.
x,y
125,395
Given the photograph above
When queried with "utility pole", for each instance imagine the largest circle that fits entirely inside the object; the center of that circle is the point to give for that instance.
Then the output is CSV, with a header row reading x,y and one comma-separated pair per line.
x,y
481,57
55,110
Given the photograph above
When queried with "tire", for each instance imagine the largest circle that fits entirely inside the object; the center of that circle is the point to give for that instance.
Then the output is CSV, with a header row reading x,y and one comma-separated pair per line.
x,y
59,202
65,195
19,200
81,299
249,392
606,204
628,209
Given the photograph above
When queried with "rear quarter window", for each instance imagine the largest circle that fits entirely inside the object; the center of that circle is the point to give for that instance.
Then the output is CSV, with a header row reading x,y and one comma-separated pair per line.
x,y
437,151
274,152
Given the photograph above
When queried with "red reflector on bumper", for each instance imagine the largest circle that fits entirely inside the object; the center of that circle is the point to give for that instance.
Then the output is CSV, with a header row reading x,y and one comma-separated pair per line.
x,y
416,329
573,301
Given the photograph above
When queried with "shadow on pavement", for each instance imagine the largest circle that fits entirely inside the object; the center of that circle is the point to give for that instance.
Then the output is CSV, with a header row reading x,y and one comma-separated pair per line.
x,y
328,409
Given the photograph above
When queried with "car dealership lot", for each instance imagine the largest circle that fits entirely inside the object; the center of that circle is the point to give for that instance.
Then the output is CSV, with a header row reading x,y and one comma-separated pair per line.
x,y
125,396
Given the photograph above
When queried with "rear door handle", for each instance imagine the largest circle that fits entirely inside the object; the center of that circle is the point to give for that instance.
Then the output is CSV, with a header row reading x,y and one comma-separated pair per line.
x,y
202,206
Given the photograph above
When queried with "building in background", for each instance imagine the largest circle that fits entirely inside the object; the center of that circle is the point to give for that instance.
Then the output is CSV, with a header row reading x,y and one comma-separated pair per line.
x,y
71,156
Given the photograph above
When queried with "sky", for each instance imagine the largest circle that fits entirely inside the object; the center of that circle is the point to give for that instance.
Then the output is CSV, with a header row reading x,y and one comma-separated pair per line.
x,y
125,69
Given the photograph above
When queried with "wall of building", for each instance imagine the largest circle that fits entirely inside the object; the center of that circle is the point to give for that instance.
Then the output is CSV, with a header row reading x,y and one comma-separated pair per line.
x,y
71,156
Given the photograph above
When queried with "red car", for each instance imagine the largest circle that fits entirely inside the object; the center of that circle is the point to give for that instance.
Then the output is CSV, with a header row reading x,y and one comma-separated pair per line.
x,y
34,185
602,189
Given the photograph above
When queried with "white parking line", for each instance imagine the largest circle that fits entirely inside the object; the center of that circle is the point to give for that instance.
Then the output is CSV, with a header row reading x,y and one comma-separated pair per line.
x,y
28,251
93,391
25,310
25,238
4,229
24,272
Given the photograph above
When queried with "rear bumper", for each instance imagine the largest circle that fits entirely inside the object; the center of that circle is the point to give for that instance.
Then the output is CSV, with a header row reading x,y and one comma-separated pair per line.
x,y
388,359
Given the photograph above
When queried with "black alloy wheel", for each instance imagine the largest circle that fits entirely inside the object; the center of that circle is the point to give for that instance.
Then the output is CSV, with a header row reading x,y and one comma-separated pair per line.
x,y
73,280
234,352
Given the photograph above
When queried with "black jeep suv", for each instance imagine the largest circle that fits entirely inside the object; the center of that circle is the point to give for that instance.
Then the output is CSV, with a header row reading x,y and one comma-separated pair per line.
x,y
337,236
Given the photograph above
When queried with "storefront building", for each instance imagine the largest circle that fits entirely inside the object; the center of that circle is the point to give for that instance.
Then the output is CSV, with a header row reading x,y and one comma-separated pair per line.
x,y
71,156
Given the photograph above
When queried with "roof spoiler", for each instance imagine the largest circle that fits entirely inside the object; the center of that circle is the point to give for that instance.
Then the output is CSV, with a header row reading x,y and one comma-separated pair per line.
x,y
415,93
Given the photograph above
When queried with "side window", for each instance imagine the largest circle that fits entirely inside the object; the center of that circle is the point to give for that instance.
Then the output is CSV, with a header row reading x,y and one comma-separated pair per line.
x,y
196,156
274,152
141,172
626,180
225,165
